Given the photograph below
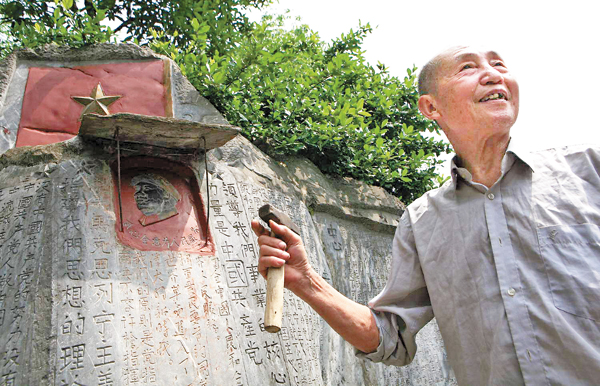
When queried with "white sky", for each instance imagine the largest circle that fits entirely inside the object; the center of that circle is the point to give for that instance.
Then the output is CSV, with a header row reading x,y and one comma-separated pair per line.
x,y
552,47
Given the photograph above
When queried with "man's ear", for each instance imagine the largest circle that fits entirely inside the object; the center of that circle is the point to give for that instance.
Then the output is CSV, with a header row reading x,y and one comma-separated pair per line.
x,y
427,107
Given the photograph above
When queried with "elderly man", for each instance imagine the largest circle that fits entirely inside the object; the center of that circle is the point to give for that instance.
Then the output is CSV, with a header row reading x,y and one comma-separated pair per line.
x,y
506,255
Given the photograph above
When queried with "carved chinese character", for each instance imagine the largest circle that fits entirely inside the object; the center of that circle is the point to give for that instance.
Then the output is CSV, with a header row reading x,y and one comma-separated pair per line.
x,y
73,296
101,321
241,229
273,350
227,249
236,274
25,202
253,272
103,356
72,357
247,325
222,228
234,207
70,222
216,208
101,269
230,189
105,378
74,326
73,269
35,227
260,297
238,298
101,246
104,291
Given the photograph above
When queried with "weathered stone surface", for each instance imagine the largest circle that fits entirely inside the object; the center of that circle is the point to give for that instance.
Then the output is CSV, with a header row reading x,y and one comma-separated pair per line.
x,y
79,307
96,52
103,311
12,87
7,67
189,104
157,131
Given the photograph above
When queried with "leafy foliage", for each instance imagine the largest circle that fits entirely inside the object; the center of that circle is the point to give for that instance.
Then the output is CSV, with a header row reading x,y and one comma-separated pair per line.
x,y
173,19
291,93
35,23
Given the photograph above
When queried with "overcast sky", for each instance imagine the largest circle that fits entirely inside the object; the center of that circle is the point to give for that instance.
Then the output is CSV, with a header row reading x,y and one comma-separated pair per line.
x,y
552,47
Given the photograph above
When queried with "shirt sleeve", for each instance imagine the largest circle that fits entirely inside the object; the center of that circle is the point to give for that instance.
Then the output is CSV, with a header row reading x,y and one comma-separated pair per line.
x,y
403,307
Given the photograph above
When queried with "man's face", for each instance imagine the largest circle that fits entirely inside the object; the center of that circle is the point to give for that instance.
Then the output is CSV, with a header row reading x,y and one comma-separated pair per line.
x,y
476,96
149,198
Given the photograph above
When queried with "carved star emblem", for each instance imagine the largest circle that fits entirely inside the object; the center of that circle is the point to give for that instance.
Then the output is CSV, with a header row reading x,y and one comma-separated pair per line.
x,y
96,103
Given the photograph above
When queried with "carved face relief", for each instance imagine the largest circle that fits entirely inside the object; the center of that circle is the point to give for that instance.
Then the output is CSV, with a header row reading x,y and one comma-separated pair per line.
x,y
161,206
154,195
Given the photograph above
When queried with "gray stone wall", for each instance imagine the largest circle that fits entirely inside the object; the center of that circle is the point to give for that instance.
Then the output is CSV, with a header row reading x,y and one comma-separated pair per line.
x,y
80,307
77,307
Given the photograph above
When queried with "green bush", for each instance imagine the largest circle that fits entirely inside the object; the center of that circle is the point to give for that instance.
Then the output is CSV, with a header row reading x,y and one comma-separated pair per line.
x,y
290,92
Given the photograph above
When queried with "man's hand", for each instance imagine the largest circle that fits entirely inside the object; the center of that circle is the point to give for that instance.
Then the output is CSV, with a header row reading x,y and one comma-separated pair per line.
x,y
353,321
287,249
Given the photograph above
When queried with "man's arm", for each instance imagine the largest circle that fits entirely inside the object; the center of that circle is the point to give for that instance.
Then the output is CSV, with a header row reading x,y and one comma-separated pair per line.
x,y
353,321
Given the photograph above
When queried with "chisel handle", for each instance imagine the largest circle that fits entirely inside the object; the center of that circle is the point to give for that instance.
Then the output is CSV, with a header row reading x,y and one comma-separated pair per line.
x,y
274,308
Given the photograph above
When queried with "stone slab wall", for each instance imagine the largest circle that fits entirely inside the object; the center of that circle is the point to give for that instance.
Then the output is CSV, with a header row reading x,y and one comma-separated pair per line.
x,y
84,309
77,307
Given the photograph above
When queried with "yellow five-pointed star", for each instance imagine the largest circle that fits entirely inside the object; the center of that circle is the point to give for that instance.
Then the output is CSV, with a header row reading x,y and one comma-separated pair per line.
x,y
96,103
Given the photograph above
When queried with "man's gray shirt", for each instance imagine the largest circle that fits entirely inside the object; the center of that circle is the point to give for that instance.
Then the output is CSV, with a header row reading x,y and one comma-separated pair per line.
x,y
512,273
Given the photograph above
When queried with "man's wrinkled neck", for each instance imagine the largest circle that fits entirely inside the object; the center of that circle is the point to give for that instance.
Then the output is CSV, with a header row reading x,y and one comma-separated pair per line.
x,y
483,159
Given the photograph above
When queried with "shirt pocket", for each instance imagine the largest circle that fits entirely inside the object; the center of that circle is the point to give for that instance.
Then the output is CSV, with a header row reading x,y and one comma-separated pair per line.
x,y
571,256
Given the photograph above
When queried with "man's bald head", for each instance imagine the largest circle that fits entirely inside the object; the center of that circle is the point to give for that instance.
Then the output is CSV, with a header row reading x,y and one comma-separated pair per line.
x,y
470,93
428,75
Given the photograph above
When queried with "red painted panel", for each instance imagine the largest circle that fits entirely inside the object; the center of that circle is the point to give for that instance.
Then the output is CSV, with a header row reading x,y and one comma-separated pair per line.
x,y
47,103
30,137
161,209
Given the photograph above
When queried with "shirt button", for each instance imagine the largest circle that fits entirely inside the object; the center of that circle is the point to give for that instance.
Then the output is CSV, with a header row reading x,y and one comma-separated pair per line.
x,y
490,196
511,291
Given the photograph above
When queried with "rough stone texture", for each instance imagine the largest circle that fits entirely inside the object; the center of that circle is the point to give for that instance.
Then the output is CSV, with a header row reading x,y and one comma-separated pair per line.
x,y
187,103
84,308
158,131
79,307
7,67
12,87
190,105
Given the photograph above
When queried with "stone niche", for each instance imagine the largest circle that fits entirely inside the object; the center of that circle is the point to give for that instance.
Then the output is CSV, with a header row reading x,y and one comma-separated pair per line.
x,y
126,254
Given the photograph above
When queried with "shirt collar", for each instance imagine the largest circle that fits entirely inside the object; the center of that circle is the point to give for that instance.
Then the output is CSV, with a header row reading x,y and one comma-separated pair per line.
x,y
514,151
520,150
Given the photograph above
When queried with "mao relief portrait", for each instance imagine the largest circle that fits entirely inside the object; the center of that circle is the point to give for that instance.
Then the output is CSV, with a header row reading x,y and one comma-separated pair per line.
x,y
162,211
155,197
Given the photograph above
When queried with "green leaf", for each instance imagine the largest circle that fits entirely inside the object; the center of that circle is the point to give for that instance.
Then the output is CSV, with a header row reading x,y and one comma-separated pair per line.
x,y
360,104
219,77
195,24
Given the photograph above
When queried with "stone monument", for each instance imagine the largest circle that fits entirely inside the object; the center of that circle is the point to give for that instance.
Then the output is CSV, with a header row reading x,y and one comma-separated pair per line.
x,y
126,254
